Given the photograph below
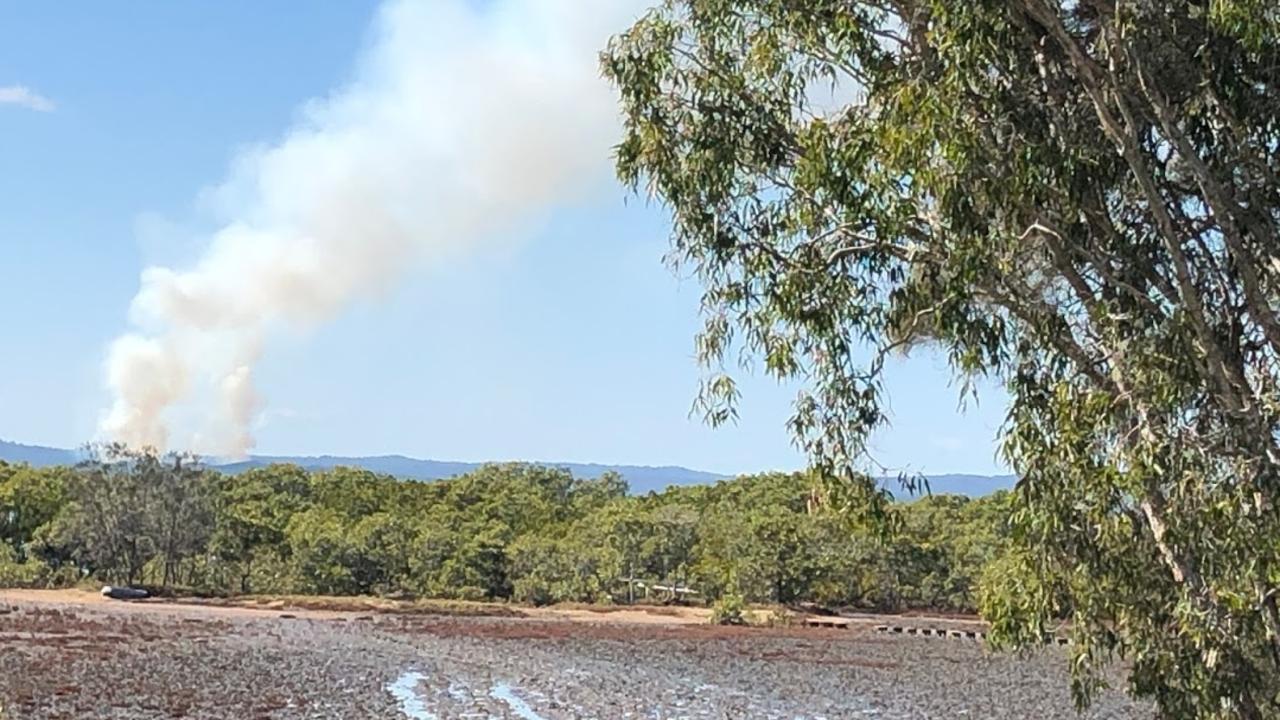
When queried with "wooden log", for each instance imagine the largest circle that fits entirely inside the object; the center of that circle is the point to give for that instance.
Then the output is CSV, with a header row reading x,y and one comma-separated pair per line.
x,y
124,593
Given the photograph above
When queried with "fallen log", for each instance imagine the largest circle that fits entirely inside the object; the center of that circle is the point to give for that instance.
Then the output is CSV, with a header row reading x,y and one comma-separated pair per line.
x,y
124,593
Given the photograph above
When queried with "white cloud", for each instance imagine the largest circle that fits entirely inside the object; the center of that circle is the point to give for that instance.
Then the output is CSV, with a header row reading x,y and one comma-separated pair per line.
x,y
23,96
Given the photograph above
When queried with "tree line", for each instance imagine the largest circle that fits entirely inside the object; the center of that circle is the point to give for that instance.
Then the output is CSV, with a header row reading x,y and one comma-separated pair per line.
x,y
513,532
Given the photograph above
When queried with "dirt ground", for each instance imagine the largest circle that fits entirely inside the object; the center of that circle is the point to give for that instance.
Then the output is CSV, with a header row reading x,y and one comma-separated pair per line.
x,y
76,655
331,607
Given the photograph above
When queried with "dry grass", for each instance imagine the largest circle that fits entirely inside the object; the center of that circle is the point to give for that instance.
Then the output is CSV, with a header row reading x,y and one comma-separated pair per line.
x,y
362,604
556,628
659,610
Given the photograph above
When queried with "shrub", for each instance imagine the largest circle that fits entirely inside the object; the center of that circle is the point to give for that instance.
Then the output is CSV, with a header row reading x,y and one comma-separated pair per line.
x,y
729,610
32,573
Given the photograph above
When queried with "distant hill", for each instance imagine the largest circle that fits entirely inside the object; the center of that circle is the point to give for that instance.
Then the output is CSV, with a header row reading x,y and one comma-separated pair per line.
x,y
957,484
35,455
642,479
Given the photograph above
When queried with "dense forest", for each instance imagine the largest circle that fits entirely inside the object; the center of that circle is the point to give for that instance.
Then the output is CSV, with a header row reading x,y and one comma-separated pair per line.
x,y
515,532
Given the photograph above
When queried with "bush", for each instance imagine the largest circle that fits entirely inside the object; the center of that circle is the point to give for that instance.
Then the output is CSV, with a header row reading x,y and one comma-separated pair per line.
x,y
532,590
729,610
30,574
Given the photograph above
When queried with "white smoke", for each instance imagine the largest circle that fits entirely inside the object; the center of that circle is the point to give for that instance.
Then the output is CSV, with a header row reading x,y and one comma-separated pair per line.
x,y
463,121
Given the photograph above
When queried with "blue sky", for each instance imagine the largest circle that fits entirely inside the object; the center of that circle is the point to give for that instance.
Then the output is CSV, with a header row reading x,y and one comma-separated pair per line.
x,y
569,342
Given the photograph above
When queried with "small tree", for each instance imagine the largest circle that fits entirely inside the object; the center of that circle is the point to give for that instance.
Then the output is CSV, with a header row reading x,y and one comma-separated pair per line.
x,y
132,506
251,516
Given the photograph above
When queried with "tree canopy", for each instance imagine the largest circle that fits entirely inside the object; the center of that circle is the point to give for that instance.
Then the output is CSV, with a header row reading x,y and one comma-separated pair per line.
x,y
1076,198
514,532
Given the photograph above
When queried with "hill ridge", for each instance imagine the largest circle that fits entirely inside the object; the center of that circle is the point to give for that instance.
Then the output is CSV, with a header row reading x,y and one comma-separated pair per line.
x,y
641,478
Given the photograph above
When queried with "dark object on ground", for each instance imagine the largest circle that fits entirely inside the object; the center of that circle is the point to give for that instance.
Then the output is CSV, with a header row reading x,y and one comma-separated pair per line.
x,y
124,593
809,608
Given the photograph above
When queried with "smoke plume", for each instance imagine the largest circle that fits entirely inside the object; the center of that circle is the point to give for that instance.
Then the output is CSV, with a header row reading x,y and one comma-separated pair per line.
x,y
461,122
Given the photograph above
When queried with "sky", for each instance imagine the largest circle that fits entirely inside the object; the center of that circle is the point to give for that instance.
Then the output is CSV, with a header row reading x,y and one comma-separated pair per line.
x,y
563,338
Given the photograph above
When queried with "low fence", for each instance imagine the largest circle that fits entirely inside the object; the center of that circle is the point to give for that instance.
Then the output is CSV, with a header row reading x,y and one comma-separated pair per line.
x,y
919,631
955,634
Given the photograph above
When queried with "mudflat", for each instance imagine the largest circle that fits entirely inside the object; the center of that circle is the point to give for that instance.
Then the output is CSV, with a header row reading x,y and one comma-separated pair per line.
x,y
71,656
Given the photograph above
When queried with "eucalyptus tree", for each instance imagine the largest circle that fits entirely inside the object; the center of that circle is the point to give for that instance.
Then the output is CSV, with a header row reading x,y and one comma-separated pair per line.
x,y
1074,197
131,507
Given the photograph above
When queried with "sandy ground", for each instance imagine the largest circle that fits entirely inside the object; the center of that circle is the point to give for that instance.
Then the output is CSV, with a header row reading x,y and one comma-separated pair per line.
x,y
75,655
73,598
348,608
342,607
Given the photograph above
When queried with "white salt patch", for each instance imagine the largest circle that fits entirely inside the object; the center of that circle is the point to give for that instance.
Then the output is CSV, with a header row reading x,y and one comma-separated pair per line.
x,y
404,689
506,694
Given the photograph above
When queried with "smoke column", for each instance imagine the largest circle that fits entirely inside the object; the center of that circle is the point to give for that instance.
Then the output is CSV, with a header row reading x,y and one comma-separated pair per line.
x,y
463,120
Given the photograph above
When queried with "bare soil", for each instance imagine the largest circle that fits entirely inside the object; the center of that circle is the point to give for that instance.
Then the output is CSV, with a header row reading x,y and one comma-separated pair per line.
x,y
74,655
